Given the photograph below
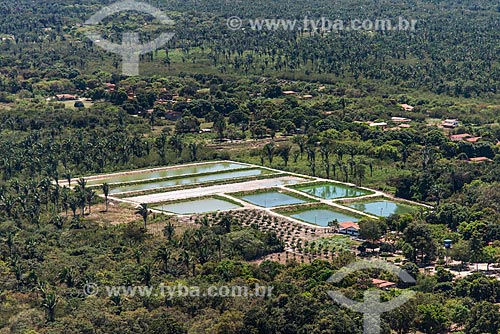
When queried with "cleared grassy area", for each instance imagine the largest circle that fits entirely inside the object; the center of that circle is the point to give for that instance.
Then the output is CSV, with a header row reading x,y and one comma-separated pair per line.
x,y
335,243
377,178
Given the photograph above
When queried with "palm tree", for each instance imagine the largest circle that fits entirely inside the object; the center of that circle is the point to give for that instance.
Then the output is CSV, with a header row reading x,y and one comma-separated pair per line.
x,y
67,175
301,142
68,276
143,211
193,150
81,194
160,143
82,183
58,222
9,240
334,224
284,153
169,231
90,198
226,222
73,203
185,259
177,144
146,273
163,255
220,126
49,303
105,190
269,150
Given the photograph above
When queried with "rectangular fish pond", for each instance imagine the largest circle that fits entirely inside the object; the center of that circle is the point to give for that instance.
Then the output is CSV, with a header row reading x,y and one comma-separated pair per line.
x,y
168,172
382,207
196,206
271,198
319,215
188,180
331,190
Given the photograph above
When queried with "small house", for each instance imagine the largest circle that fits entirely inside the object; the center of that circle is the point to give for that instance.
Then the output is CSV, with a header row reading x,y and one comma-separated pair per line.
x,y
450,123
460,137
384,285
400,119
379,125
65,97
349,228
173,115
407,107
479,160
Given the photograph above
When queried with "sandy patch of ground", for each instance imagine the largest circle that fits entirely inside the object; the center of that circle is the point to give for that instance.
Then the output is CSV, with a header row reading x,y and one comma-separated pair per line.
x,y
118,213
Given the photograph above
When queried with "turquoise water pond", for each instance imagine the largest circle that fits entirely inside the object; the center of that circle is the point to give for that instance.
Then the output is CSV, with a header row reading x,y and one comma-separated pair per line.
x,y
272,199
197,206
333,191
189,180
170,172
382,208
321,217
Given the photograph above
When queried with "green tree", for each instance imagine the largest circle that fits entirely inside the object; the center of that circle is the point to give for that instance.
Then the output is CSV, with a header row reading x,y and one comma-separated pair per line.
x,y
269,150
419,237
105,190
284,152
143,211
484,318
432,319
370,230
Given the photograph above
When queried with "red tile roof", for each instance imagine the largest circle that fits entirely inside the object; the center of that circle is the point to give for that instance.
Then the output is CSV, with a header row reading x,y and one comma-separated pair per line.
x,y
480,159
382,284
473,139
347,225
460,137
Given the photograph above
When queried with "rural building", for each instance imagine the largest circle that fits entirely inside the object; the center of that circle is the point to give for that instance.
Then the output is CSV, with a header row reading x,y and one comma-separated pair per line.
x,y
379,125
385,285
400,119
407,107
65,97
480,160
450,123
460,137
349,228
473,139
173,115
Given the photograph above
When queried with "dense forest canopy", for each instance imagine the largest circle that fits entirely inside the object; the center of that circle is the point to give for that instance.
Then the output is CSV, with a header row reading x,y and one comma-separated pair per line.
x,y
453,51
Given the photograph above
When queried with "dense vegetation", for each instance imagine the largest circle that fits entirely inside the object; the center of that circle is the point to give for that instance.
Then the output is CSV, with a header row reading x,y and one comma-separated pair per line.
x,y
212,93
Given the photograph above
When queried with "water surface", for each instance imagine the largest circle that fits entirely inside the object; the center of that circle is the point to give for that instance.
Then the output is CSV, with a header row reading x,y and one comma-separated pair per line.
x,y
197,206
169,172
333,191
382,208
272,199
188,180
321,217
